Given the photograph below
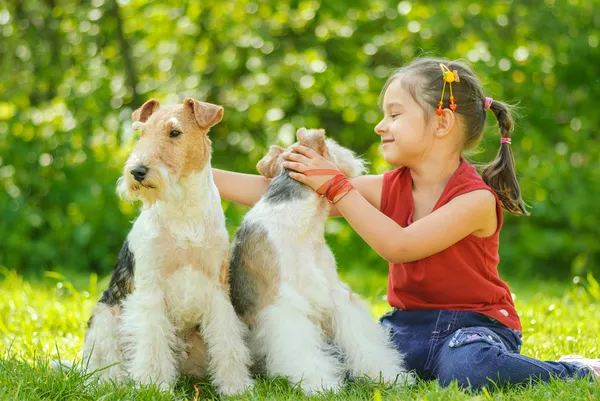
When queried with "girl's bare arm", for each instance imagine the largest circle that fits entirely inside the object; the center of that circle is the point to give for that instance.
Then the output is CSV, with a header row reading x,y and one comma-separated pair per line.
x,y
245,189
369,186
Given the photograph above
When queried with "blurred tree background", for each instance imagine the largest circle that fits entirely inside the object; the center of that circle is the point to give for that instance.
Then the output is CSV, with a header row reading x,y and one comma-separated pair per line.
x,y
72,71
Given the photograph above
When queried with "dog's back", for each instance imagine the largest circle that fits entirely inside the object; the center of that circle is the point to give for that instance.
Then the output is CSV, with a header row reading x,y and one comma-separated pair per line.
x,y
272,226
280,243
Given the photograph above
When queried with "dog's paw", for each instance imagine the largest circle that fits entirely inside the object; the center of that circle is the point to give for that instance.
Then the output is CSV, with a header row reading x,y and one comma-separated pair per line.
x,y
397,376
165,387
61,364
404,379
320,387
236,387
142,385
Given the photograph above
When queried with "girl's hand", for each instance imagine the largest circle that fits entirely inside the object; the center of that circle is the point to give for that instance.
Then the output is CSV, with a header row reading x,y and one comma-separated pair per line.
x,y
307,159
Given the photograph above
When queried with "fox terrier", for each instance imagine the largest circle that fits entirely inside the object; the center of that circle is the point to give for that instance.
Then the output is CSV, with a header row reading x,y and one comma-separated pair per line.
x,y
305,324
167,308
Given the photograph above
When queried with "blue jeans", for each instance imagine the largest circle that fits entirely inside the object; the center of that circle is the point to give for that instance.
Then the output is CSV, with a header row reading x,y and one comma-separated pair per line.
x,y
469,347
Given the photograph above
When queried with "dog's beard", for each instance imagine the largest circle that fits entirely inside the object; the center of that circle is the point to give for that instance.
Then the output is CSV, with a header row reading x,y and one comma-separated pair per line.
x,y
154,187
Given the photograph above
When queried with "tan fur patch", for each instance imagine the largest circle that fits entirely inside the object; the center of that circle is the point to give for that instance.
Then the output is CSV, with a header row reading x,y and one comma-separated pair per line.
x,y
269,165
224,273
196,363
186,257
327,327
312,138
260,265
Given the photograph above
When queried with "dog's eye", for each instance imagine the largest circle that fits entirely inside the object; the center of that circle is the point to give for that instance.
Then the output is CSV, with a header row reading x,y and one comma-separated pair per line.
x,y
174,133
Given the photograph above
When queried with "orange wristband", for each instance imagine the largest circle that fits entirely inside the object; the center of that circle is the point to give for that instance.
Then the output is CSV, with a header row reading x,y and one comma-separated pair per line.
x,y
338,185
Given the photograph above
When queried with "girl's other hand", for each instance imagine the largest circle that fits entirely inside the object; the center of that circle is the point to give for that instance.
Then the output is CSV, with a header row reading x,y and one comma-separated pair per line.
x,y
306,159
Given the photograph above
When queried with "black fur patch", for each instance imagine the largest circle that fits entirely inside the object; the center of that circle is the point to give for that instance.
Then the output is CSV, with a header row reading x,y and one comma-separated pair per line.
x,y
283,188
121,281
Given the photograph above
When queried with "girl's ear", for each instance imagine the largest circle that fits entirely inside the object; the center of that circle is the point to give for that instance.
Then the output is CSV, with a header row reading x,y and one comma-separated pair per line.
x,y
445,122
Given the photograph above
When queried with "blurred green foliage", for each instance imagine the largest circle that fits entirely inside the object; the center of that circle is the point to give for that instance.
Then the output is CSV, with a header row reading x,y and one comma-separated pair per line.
x,y
73,71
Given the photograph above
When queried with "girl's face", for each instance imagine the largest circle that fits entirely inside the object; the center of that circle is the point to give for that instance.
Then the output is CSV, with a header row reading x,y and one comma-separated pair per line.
x,y
405,133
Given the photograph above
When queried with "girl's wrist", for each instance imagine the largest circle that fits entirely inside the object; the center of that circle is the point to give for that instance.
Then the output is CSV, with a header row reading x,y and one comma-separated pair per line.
x,y
338,197
337,187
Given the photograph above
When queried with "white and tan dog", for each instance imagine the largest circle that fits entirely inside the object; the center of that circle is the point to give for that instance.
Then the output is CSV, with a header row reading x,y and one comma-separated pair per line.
x,y
305,324
167,309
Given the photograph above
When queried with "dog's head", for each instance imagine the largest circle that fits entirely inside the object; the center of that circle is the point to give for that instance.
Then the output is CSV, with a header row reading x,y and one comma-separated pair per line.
x,y
345,160
173,144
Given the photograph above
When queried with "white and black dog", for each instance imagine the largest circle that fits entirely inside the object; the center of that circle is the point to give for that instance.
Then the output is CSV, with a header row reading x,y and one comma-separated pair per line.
x,y
167,309
305,324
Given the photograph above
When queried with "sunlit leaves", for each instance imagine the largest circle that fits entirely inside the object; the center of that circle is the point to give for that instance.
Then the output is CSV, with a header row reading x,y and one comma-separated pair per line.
x,y
71,74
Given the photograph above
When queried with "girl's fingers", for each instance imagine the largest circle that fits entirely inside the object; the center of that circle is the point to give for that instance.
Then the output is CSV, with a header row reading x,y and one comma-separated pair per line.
x,y
296,157
298,177
295,166
308,152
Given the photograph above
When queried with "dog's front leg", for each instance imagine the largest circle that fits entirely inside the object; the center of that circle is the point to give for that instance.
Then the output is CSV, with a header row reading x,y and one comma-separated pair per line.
x,y
228,354
149,338
295,347
101,346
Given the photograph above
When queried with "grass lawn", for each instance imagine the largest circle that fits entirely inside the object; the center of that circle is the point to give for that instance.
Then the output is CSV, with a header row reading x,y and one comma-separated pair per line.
x,y
46,319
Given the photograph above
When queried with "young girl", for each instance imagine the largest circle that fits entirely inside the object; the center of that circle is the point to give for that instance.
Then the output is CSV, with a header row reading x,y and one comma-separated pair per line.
x,y
437,222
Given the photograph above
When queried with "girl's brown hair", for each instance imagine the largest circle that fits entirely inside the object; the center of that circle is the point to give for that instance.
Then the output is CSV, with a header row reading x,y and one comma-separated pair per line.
x,y
423,80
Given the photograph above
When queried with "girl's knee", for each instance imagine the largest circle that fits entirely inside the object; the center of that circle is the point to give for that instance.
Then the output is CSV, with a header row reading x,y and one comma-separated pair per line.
x,y
467,373
471,357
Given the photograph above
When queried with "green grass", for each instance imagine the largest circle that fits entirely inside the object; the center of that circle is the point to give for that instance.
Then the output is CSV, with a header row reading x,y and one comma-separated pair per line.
x,y
45,319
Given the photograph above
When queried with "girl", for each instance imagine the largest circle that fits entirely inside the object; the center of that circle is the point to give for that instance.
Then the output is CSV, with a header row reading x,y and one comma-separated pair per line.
x,y
437,222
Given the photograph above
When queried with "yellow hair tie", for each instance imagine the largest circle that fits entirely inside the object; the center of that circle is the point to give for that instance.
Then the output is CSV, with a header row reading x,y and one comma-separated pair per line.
x,y
449,77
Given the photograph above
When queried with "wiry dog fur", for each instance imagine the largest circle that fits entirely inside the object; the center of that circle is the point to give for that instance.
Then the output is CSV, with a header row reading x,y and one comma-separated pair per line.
x,y
167,309
305,324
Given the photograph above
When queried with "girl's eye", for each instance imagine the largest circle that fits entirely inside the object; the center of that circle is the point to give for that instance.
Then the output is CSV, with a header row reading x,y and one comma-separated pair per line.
x,y
174,133
395,115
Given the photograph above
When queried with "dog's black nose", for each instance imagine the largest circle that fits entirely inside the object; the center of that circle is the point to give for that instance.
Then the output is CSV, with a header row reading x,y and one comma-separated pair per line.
x,y
139,173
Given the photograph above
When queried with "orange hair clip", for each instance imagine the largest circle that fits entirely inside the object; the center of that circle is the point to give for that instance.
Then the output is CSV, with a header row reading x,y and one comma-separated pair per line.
x,y
449,77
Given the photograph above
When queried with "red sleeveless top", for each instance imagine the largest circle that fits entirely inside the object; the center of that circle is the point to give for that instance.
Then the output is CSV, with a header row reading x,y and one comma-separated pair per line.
x,y
461,277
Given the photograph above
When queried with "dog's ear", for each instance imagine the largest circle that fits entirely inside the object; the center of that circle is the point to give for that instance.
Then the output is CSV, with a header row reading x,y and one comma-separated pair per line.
x,y
268,166
206,114
143,113
312,138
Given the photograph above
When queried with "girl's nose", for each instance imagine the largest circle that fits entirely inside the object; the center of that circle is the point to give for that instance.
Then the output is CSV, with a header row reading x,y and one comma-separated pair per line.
x,y
380,128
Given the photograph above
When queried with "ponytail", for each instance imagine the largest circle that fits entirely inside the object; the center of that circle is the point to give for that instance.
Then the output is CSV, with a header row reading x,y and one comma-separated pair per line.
x,y
500,174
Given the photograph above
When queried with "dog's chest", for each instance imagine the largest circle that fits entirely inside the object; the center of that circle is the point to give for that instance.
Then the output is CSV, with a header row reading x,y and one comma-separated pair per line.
x,y
182,259
187,292
164,248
